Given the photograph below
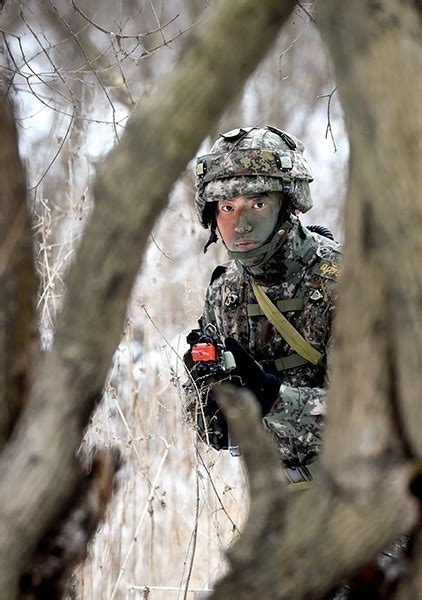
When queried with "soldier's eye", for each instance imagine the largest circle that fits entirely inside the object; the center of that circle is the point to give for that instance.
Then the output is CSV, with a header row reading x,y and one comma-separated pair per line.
x,y
260,204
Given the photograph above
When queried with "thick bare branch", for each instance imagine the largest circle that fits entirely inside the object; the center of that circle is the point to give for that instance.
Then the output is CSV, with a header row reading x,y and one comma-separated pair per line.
x,y
323,534
131,189
66,542
265,476
327,532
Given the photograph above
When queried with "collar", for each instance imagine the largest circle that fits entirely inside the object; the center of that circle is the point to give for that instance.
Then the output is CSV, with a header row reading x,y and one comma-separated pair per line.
x,y
297,249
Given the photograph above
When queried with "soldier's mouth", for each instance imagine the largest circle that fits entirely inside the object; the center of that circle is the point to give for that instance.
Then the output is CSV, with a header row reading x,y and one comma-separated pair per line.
x,y
245,244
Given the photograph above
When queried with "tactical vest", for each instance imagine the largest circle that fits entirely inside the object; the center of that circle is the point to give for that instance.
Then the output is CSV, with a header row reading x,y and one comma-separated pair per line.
x,y
304,295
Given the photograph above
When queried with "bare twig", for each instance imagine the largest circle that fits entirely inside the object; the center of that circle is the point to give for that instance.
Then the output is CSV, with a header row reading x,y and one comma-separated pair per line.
x,y
217,495
283,53
135,36
329,129
154,241
160,588
141,520
46,54
53,160
160,28
59,16
307,12
194,539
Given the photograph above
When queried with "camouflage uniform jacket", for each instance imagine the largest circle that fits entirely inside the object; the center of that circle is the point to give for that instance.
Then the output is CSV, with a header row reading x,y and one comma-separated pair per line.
x,y
301,280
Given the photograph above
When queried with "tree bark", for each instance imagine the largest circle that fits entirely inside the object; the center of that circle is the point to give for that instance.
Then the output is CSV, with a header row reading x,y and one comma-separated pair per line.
x,y
300,545
377,52
17,285
131,188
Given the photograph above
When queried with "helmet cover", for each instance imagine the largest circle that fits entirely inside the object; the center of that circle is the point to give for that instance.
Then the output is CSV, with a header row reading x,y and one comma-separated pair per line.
x,y
253,161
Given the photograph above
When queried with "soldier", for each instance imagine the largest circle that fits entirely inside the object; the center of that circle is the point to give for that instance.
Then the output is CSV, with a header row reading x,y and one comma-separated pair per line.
x,y
272,305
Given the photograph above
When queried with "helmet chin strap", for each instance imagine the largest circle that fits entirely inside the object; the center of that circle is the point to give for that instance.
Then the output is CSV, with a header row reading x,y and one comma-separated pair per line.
x,y
268,249
212,239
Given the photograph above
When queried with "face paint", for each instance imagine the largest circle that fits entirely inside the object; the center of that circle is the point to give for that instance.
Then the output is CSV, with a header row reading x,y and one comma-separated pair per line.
x,y
247,222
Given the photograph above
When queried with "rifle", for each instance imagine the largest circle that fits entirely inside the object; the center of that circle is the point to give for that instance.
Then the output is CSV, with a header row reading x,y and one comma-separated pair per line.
x,y
210,364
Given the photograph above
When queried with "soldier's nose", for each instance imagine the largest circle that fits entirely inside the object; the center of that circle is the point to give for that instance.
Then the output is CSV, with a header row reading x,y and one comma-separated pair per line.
x,y
243,226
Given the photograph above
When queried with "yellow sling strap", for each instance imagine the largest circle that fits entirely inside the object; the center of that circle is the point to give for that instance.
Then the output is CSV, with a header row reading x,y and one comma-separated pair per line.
x,y
289,333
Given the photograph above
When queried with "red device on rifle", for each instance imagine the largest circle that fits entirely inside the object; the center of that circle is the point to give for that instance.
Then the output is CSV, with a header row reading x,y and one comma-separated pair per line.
x,y
204,351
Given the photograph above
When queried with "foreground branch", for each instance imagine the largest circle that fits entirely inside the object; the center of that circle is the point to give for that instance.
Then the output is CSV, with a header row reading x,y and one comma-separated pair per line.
x,y
268,495
298,545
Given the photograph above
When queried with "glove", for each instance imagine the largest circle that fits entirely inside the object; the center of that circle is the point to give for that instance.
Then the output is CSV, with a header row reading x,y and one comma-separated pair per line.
x,y
265,386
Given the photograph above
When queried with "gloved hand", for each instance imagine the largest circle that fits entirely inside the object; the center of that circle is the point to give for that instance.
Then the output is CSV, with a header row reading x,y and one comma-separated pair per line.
x,y
265,386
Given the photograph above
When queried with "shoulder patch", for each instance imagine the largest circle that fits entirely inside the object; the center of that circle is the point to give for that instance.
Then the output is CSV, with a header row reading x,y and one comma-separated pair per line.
x,y
327,269
218,272
328,265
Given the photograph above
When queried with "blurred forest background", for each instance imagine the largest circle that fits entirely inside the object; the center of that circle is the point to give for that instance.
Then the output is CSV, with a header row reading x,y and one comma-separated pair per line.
x,y
77,70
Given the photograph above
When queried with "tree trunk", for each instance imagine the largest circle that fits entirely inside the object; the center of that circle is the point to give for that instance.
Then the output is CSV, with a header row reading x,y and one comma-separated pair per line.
x,y
373,445
17,284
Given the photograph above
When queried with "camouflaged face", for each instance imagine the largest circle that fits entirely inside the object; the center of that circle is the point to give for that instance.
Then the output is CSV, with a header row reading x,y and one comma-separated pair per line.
x,y
301,281
253,161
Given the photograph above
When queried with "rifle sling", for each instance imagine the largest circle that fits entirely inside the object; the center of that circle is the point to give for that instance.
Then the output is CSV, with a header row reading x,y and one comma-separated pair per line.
x,y
285,329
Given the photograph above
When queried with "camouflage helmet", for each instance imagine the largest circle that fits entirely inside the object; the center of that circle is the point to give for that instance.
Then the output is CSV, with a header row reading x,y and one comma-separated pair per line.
x,y
253,160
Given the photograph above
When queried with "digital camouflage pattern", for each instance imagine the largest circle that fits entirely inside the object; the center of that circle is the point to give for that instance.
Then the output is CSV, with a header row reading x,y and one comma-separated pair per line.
x,y
251,161
301,280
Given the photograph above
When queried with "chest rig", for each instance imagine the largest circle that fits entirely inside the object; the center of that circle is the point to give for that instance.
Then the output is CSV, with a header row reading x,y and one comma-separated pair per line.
x,y
285,324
